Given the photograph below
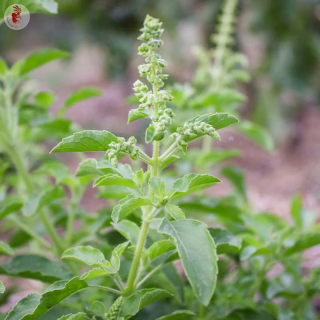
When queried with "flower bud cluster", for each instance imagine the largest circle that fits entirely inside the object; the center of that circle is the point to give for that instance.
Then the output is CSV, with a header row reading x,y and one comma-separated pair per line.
x,y
155,99
162,120
192,130
114,310
122,146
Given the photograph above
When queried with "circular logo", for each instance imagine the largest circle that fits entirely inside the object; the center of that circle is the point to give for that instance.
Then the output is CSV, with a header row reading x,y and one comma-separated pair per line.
x,y
17,17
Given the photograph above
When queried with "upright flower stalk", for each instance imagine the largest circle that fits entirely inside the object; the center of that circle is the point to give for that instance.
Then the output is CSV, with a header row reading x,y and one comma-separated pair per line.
x,y
152,102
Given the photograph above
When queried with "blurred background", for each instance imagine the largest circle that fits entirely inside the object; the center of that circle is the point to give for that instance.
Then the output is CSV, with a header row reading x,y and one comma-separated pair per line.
x,y
281,39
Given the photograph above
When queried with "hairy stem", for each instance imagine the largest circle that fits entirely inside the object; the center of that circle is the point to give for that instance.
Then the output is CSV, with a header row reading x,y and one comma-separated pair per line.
x,y
145,224
137,257
170,151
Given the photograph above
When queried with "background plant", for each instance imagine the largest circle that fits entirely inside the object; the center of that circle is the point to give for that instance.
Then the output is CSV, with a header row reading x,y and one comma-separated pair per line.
x,y
32,207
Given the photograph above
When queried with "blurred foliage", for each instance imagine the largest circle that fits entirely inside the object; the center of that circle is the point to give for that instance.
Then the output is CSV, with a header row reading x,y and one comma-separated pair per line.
x,y
288,34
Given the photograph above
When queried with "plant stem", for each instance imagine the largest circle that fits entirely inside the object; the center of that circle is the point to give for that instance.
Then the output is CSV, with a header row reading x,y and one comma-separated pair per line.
x,y
151,273
27,230
145,223
107,289
52,232
118,281
16,159
169,151
136,258
70,224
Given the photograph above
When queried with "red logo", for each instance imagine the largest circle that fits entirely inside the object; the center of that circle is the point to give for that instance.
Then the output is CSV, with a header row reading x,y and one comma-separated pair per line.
x,y
16,14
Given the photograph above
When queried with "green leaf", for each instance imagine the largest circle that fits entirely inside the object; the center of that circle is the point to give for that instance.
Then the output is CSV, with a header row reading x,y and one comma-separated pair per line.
x,y
257,133
38,201
128,229
296,210
92,167
86,141
44,99
140,300
198,254
82,94
78,316
225,241
33,306
55,128
5,249
77,96
306,241
94,273
34,267
98,308
158,186
220,98
240,75
152,135
85,254
94,257
10,207
212,157
3,65
192,182
39,58
114,265
236,177
2,288
135,114
175,278
168,161
175,212
159,248
178,315
114,180
34,6
129,204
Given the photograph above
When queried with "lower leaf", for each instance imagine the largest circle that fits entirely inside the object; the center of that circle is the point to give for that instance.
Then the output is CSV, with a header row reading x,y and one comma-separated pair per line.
x,y
198,254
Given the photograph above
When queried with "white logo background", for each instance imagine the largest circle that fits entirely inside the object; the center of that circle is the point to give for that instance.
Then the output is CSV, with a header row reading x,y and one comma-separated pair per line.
x,y
17,16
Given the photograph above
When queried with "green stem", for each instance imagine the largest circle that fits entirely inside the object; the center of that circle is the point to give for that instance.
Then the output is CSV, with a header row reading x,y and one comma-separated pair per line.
x,y
132,278
107,289
23,226
170,151
117,280
16,159
52,232
70,224
136,258
151,273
